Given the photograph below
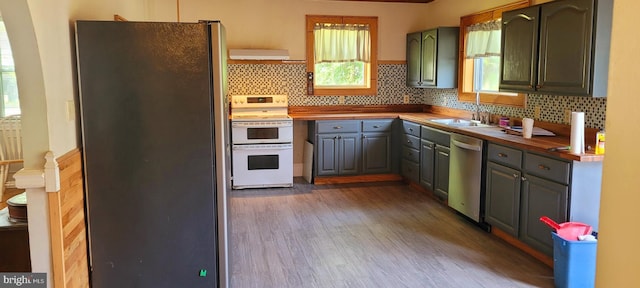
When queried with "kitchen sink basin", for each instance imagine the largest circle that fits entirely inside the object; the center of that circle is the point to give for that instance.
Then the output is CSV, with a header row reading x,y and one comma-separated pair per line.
x,y
459,122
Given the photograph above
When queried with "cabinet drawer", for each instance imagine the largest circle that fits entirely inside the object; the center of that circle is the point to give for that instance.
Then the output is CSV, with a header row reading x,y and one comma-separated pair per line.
x,y
545,167
436,136
411,128
411,141
411,154
338,126
505,155
377,125
411,170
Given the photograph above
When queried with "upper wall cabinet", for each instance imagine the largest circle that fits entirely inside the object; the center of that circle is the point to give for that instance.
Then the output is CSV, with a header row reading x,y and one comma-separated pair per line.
x,y
557,48
432,58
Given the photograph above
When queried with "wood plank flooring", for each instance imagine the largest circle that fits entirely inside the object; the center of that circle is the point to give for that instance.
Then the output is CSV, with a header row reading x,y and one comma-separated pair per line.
x,y
366,235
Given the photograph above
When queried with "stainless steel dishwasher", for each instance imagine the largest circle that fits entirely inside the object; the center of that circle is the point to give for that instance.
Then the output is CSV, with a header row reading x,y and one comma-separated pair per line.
x,y
465,175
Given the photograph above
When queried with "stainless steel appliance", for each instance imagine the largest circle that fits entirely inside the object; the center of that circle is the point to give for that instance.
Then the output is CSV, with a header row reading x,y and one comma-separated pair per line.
x,y
465,175
262,140
156,152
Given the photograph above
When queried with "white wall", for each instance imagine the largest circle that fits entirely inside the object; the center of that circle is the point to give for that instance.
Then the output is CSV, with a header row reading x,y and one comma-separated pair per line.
x,y
281,23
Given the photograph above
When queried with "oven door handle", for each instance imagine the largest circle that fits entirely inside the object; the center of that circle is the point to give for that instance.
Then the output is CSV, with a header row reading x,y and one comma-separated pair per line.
x,y
263,147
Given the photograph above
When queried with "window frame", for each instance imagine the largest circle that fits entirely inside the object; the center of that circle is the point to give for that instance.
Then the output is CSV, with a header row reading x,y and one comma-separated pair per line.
x,y
372,21
466,66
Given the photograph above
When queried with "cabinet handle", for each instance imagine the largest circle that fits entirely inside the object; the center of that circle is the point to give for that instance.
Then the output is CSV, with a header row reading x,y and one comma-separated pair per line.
x,y
515,175
411,129
524,178
364,136
337,127
408,141
430,145
538,86
376,126
542,167
503,155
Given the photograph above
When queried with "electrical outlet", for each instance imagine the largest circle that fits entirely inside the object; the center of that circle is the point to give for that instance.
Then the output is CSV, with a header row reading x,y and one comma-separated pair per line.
x,y
406,99
341,100
567,116
536,112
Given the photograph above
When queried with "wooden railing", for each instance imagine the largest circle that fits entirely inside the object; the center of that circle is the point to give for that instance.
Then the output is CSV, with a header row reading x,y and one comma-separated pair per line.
x,y
68,229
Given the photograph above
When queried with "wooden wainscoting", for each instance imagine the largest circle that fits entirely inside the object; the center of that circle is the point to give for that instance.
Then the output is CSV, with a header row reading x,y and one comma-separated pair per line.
x,y
68,228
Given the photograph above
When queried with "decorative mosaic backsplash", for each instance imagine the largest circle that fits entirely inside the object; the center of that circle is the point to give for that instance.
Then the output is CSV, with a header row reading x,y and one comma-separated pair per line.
x,y
290,79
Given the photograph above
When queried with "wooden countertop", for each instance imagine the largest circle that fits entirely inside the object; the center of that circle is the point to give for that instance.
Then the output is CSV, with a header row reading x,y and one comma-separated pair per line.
x,y
495,134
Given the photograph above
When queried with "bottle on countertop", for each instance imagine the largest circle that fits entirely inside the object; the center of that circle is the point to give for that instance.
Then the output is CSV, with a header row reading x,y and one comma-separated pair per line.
x,y
600,142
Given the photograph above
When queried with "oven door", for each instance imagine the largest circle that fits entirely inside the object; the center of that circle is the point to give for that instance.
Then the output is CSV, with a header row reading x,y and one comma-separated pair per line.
x,y
257,132
265,165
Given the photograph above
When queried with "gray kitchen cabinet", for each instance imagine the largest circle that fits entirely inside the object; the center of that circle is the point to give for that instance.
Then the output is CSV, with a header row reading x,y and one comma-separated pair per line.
x,y
522,186
560,47
432,58
352,147
434,164
337,147
441,170
541,197
377,146
427,161
410,168
338,154
503,198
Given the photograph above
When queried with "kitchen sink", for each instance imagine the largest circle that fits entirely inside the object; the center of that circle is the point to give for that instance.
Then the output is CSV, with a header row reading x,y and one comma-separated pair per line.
x,y
459,122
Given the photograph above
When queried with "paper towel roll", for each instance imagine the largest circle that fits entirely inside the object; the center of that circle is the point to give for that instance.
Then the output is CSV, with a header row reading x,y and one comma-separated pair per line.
x,y
577,132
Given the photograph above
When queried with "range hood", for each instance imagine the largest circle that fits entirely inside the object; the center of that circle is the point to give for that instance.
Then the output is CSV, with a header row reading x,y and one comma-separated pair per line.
x,y
258,54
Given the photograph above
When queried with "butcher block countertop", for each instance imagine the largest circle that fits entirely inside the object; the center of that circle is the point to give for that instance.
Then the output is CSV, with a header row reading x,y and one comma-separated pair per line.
x,y
540,144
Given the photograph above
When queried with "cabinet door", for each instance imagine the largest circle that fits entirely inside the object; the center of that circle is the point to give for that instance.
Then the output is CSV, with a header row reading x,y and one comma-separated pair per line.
x,y
427,162
503,198
413,59
349,154
327,154
441,172
519,49
376,153
541,197
429,57
565,47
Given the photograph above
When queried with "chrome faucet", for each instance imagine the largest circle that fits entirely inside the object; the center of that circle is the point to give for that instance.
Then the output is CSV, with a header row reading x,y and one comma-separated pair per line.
x,y
476,116
484,118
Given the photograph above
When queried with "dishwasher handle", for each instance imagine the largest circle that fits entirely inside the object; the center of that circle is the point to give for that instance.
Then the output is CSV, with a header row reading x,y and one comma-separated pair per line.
x,y
466,146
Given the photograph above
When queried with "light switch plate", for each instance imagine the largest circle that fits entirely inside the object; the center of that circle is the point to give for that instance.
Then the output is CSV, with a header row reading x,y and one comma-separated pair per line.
x,y
71,110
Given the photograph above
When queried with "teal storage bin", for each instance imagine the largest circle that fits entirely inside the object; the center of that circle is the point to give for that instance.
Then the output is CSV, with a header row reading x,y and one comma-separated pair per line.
x,y
574,263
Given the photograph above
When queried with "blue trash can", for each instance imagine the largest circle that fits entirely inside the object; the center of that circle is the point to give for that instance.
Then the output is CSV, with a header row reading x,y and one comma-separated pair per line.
x,y
574,263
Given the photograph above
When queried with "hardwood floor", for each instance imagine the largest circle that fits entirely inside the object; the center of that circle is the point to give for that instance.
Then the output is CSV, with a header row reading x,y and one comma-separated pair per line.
x,y
366,235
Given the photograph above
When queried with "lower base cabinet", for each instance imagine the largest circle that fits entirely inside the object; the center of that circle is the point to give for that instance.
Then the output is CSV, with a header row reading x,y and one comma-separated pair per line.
x,y
434,161
352,147
522,186
441,172
541,197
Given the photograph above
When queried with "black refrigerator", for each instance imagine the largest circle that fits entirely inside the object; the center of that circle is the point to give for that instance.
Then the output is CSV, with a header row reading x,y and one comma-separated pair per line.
x,y
154,117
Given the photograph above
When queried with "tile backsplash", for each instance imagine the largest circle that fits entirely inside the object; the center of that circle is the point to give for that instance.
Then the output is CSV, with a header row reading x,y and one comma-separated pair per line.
x,y
290,79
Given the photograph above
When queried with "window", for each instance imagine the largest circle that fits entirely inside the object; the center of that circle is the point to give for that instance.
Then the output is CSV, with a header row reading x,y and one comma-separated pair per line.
x,y
10,104
342,55
479,69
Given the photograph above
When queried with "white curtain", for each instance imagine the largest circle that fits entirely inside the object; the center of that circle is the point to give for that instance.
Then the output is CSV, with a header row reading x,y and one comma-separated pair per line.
x,y
342,42
483,39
